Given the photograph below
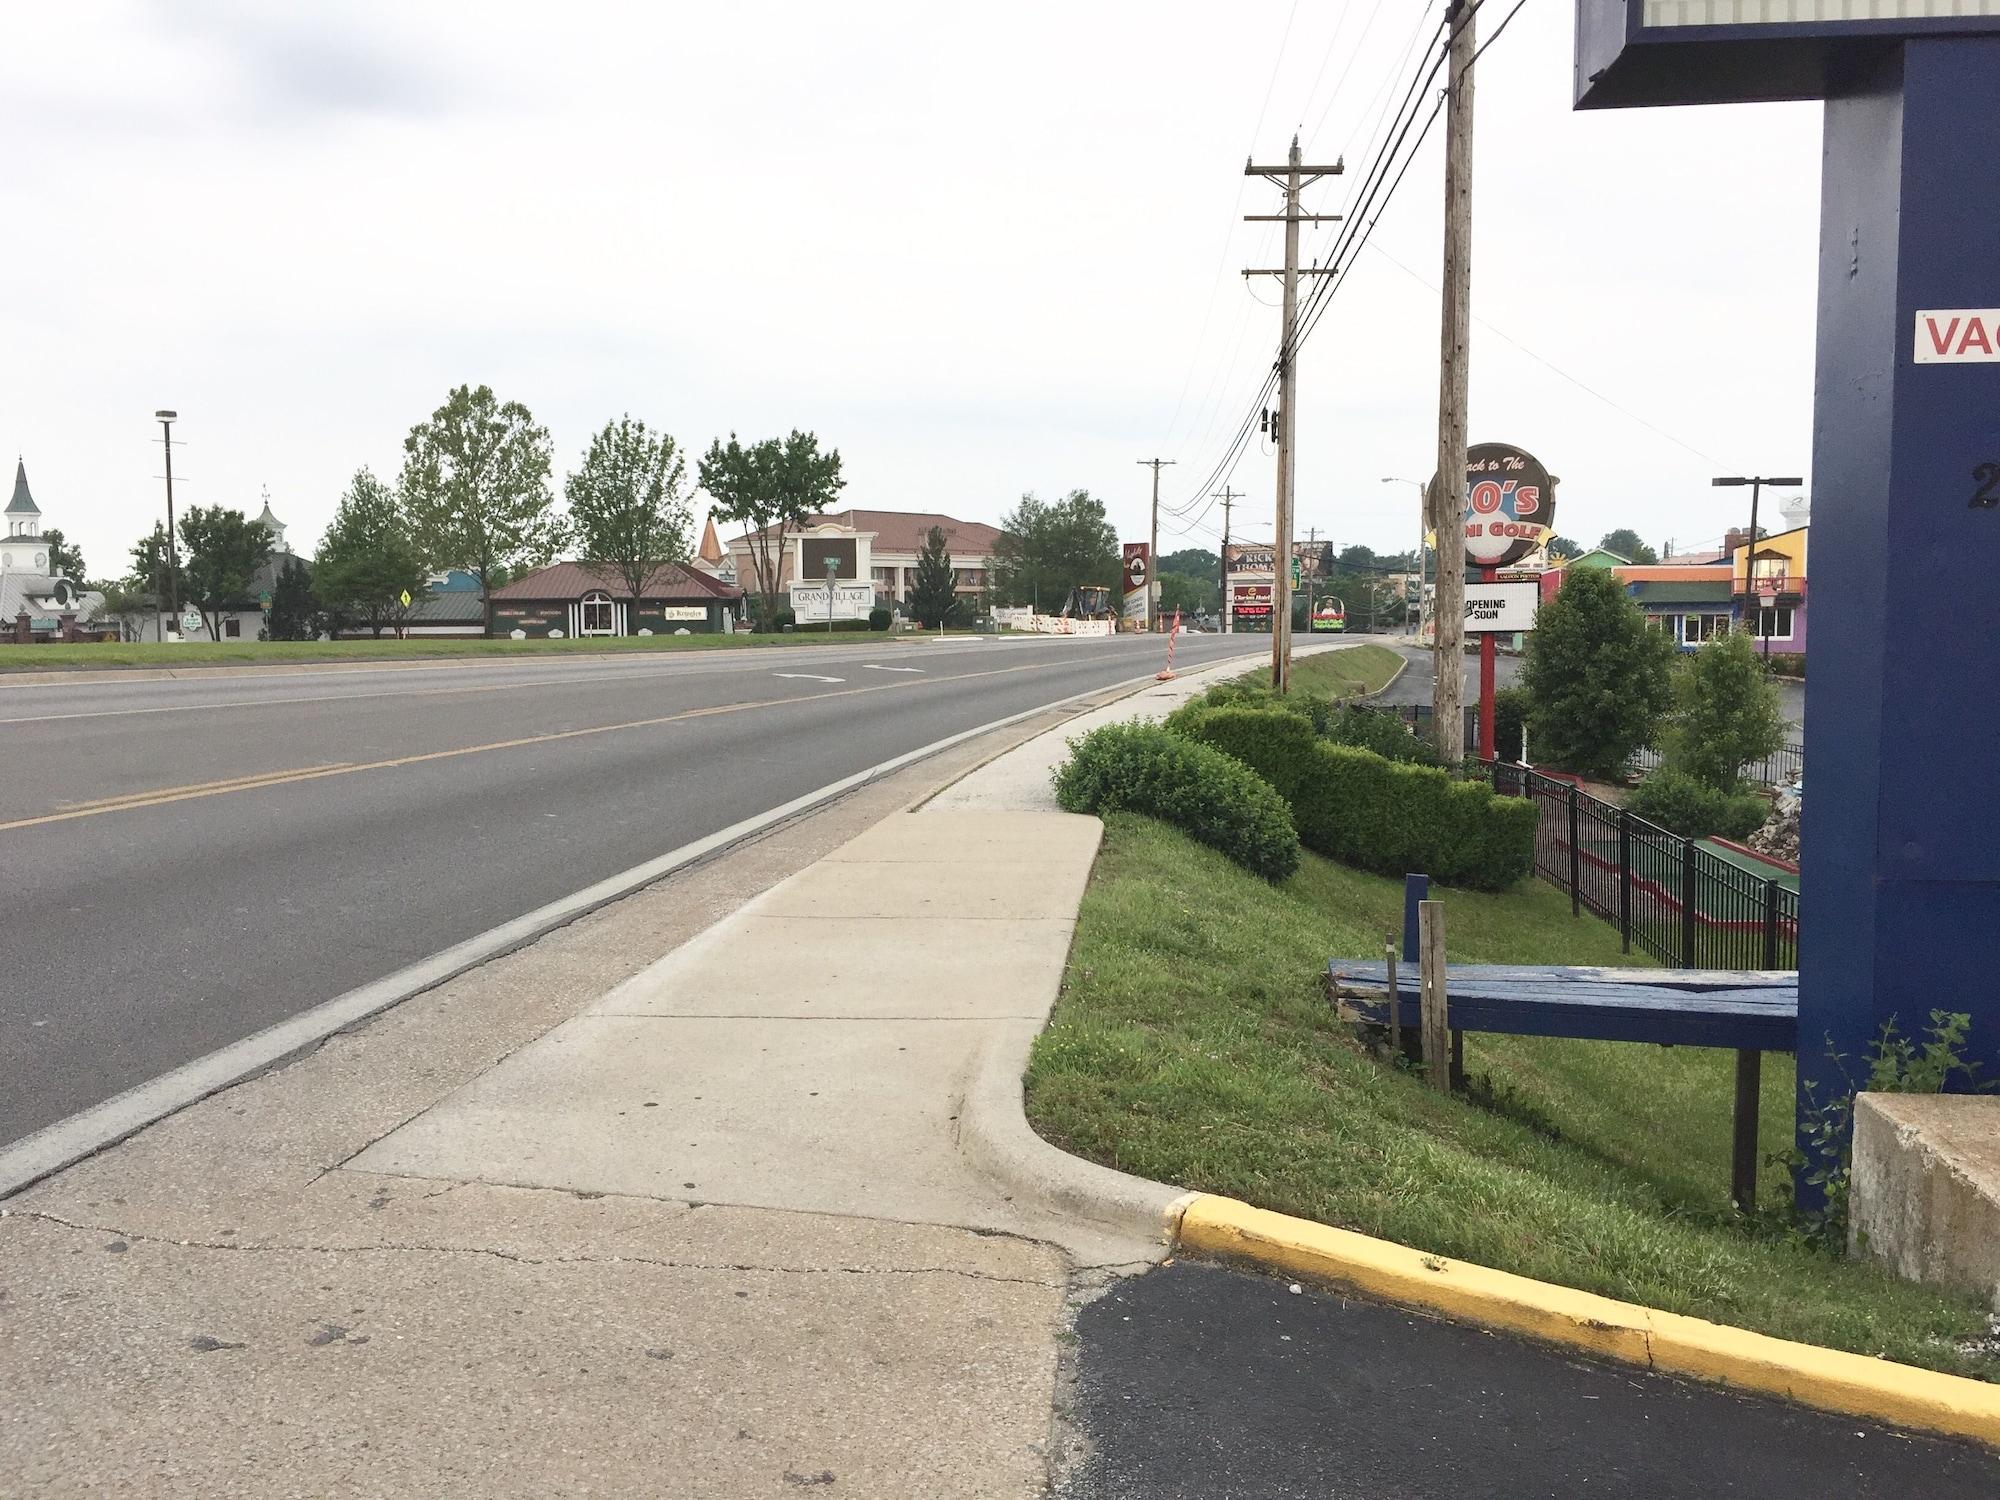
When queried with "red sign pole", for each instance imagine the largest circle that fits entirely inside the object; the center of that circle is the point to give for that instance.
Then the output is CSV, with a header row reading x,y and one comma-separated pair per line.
x,y
1488,659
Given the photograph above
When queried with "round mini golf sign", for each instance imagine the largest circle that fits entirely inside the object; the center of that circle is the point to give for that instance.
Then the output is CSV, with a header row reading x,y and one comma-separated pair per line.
x,y
1510,505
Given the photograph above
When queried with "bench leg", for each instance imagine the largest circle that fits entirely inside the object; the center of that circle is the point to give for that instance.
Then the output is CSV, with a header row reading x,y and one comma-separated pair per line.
x,y
1743,1164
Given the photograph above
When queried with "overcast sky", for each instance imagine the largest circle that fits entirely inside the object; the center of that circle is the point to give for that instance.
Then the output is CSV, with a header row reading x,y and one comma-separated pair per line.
x,y
981,251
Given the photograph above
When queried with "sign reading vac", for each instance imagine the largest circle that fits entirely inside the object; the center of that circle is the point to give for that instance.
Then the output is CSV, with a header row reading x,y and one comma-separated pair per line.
x,y
1962,336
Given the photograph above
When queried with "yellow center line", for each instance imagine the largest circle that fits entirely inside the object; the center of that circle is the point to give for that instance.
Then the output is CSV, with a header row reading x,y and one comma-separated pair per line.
x,y
231,784
137,800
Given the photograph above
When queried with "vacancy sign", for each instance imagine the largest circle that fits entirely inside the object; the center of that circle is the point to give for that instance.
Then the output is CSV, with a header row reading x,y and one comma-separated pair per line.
x,y
1958,336
1501,608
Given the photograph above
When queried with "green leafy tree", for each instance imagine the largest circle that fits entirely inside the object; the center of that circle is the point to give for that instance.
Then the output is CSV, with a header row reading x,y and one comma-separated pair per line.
x,y
1191,594
1725,714
1625,542
1358,559
152,568
933,595
128,602
772,487
475,485
1195,562
628,502
369,558
65,561
1562,546
294,611
1048,548
224,549
1598,678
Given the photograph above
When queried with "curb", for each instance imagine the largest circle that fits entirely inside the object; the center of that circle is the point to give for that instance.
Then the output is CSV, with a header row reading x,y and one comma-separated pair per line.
x,y
1402,666
1670,1343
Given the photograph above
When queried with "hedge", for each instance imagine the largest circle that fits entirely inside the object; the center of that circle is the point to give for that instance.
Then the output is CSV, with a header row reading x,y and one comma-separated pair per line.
x,y
1357,807
1216,799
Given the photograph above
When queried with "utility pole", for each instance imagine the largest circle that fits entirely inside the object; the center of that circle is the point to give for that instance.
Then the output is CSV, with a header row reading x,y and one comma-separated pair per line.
x,y
1227,496
1153,547
1447,491
1292,176
166,420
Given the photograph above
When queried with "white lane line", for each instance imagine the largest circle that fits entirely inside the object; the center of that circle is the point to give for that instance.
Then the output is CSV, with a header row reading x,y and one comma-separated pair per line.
x,y
808,677
877,667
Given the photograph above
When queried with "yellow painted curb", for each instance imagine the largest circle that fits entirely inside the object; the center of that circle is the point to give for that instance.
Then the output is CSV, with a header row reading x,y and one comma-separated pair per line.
x,y
1826,1378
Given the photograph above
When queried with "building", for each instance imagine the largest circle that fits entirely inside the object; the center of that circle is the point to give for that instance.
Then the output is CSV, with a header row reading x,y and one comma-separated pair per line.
x,y
879,547
1768,586
572,599
37,603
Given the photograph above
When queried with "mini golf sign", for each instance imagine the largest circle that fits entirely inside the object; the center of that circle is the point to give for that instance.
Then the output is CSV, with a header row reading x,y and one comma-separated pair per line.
x,y
1510,505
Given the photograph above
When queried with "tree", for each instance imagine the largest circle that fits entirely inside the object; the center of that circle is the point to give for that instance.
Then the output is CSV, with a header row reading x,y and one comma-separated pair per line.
x,y
150,567
224,550
934,593
294,611
1725,713
475,486
773,488
128,602
1046,549
1598,677
1562,546
369,558
1357,558
1195,562
1625,542
1190,594
628,503
65,561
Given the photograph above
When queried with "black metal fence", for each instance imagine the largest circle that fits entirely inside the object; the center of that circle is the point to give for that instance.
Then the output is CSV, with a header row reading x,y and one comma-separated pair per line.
x,y
1685,905
1781,767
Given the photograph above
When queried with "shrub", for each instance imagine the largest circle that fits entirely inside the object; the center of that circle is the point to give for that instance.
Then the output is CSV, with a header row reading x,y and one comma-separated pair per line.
x,y
1598,677
781,618
1314,708
878,618
1214,798
1365,810
1725,713
1682,804
1384,733
1510,712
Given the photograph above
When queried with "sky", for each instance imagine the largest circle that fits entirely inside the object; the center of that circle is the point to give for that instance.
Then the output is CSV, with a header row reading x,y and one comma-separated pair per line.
x,y
980,251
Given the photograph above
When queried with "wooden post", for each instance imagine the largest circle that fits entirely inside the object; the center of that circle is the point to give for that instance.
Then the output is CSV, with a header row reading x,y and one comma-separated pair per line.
x,y
1395,999
1435,1004
1743,1154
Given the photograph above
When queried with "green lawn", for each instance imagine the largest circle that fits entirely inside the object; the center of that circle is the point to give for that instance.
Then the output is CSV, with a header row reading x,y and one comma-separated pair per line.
x,y
235,653
1193,1045
1342,674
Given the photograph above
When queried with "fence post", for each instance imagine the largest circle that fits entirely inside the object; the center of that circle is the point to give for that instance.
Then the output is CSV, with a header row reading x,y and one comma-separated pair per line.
x,y
1624,881
1687,903
1575,858
1434,1005
1770,924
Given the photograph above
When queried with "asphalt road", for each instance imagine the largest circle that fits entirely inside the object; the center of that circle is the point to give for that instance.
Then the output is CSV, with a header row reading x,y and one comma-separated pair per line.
x,y
1197,1383
189,861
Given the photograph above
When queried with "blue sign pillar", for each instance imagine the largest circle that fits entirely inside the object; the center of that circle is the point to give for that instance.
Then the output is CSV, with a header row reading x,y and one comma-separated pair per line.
x,y
1901,836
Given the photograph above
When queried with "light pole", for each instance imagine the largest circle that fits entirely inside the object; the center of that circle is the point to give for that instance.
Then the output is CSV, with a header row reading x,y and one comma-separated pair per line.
x,y
166,419
1756,483
1421,533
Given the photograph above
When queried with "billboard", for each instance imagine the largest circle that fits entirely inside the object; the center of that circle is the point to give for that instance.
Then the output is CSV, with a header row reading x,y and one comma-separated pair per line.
x,y
1250,600
1510,505
850,601
1249,557
1138,573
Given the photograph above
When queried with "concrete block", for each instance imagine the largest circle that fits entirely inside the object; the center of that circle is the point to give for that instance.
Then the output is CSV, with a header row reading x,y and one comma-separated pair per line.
x,y
1925,1193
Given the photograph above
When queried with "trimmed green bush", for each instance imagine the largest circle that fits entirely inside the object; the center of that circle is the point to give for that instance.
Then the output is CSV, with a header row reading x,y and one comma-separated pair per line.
x,y
878,618
1316,709
1215,798
1510,710
1364,810
1692,808
1384,733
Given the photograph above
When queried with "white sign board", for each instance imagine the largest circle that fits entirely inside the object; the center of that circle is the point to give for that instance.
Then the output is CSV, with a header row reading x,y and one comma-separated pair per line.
x,y
685,612
851,601
1958,336
190,620
1500,608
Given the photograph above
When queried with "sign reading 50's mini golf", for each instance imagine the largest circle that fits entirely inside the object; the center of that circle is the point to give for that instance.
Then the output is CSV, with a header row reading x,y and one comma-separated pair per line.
x,y
1510,505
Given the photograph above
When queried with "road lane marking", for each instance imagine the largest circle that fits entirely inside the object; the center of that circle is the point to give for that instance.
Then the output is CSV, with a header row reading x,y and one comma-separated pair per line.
x,y
231,784
874,667
808,677
137,801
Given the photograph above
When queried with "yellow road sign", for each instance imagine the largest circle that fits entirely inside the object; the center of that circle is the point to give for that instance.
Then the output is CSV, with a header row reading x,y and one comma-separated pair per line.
x,y
406,598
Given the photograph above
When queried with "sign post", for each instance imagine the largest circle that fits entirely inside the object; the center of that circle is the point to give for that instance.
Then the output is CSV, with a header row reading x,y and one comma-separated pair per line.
x,y
1901,848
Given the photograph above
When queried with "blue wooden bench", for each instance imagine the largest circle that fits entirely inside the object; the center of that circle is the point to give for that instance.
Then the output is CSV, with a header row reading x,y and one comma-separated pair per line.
x,y
1751,1011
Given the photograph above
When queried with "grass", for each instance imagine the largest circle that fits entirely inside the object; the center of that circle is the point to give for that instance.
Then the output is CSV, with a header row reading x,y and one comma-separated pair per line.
x,y
1342,674
1193,1045
85,655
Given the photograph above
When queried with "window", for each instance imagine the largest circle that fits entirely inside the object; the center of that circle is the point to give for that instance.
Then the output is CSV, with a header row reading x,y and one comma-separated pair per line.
x,y
600,616
1775,623
232,630
1698,628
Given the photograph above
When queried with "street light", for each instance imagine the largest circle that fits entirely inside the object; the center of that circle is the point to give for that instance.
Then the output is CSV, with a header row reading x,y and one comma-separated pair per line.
x,y
1423,530
166,419
1756,483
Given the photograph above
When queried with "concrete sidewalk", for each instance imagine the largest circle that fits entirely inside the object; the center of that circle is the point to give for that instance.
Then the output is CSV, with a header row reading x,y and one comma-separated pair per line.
x,y
679,1200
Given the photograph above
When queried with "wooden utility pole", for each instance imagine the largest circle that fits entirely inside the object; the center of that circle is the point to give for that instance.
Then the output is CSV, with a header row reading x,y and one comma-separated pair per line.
x,y
1292,177
1153,546
1227,496
1447,492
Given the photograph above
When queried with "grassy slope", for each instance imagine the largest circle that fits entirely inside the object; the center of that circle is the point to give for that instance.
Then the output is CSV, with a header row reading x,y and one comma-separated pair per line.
x,y
1343,674
231,653
1192,1045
